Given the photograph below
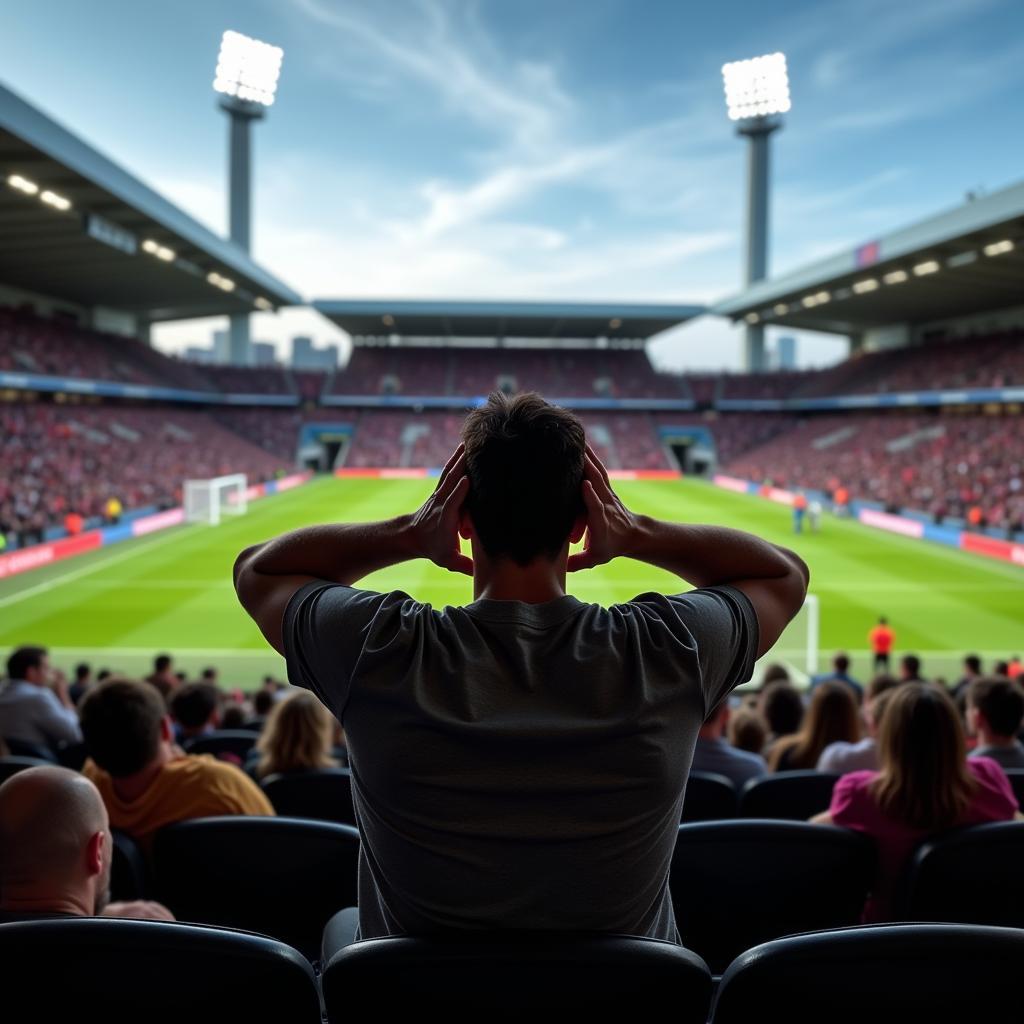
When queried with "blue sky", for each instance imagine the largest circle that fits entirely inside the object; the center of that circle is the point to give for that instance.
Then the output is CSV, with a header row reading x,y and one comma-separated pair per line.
x,y
576,149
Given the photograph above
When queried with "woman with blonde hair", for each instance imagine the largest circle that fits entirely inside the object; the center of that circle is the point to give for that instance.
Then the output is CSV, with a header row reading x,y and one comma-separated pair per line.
x,y
832,717
925,785
298,737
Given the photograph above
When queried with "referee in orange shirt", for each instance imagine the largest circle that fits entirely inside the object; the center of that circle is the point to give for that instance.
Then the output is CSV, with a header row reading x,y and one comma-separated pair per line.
x,y
882,639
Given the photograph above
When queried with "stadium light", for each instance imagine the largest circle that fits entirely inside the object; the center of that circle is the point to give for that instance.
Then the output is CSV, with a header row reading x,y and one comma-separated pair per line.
x,y
895,277
58,202
161,252
246,78
752,318
225,284
928,267
22,184
998,248
756,95
780,309
262,303
868,284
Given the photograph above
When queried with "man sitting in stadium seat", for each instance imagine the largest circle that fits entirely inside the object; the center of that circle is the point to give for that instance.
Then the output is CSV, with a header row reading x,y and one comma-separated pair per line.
x,y
844,756
163,677
31,710
714,753
910,669
995,710
196,710
56,850
520,761
146,782
841,673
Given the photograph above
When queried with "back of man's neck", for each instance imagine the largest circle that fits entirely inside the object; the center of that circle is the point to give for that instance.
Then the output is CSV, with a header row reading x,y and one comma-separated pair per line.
x,y
988,739
131,787
74,905
533,584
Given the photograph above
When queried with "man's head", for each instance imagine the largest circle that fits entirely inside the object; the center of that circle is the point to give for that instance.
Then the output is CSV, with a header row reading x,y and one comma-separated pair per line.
x,y
124,726
32,664
995,706
972,665
841,663
882,620
195,706
524,460
55,845
209,675
910,666
83,672
263,702
162,663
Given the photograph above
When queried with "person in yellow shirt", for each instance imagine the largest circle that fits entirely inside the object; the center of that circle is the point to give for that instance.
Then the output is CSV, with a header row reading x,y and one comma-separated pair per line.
x,y
145,780
114,509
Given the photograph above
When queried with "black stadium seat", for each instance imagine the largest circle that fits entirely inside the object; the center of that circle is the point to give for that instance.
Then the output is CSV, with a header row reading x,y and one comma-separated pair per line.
x,y
224,741
12,765
516,976
82,969
129,873
971,876
325,795
709,797
1016,777
280,876
737,883
793,796
26,748
878,975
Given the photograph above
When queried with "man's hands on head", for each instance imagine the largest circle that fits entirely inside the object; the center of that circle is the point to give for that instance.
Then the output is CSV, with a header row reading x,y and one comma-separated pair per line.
x,y
138,910
435,525
611,527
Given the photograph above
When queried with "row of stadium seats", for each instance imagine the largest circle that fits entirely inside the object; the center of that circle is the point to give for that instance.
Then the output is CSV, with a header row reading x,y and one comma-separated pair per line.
x,y
937,972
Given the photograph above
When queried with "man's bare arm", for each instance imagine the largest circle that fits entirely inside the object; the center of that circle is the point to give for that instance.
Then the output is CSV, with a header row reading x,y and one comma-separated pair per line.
x,y
267,575
774,578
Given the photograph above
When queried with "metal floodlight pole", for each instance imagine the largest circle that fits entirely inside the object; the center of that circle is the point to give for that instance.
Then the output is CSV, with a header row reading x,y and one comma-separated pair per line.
x,y
247,74
757,92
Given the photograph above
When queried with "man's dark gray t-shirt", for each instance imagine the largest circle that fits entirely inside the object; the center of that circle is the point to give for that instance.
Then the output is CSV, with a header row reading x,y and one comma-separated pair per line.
x,y
518,765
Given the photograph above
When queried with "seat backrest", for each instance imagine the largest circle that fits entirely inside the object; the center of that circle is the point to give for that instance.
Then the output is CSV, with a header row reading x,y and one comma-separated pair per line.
x,y
709,797
15,763
325,795
119,970
793,796
27,748
737,883
224,741
503,976
970,876
129,873
280,876
1016,777
882,974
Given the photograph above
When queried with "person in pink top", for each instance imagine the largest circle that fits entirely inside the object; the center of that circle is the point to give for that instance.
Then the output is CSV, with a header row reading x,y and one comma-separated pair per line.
x,y
925,785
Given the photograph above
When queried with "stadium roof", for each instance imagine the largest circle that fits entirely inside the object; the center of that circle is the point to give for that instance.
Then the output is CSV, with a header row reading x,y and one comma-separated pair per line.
x,y
381,318
92,251
964,261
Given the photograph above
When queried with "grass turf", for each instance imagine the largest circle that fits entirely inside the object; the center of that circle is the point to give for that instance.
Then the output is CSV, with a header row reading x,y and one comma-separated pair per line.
x,y
172,591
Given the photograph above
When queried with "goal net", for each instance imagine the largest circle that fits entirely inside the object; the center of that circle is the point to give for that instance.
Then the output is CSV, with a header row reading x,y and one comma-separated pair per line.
x,y
797,648
207,500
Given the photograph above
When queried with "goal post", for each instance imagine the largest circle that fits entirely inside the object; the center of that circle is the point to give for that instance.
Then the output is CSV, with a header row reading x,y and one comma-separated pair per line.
x,y
798,647
207,500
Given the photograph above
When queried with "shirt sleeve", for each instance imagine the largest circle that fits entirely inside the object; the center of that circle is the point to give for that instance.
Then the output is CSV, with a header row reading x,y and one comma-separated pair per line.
x,y
722,623
995,799
326,626
847,807
58,723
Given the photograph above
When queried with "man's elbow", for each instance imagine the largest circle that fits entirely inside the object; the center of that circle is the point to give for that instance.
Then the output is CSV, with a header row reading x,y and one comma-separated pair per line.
x,y
243,574
242,562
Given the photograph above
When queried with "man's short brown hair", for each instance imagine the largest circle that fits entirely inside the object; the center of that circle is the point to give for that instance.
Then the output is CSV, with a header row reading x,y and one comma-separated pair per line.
x,y
1001,701
121,725
524,460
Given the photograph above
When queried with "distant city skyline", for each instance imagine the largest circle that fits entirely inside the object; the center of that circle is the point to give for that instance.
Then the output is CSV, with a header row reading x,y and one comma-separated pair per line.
x,y
573,151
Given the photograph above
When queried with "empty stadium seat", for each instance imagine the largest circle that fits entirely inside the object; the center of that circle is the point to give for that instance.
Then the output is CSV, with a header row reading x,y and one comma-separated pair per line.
x,y
794,796
971,876
325,795
1016,777
12,765
129,873
280,876
709,797
737,883
882,975
116,970
224,741
506,976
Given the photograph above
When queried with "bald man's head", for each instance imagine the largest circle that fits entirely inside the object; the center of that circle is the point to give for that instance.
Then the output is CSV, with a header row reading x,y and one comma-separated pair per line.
x,y
49,821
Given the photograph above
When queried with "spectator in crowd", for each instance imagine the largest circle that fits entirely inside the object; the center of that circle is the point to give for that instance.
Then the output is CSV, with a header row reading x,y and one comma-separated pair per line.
x,y
995,710
209,675
298,737
35,706
146,782
104,673
56,849
831,717
262,704
232,716
972,671
842,757
748,730
910,669
1014,667
1001,668
840,673
926,784
83,680
195,708
163,677
782,707
881,638
713,752
483,734
775,673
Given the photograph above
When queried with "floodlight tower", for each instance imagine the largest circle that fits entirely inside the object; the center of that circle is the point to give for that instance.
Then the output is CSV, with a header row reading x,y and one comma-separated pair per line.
x,y
247,74
757,93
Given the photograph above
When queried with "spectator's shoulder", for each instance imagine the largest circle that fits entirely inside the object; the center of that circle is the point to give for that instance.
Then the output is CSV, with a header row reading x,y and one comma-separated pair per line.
x,y
986,768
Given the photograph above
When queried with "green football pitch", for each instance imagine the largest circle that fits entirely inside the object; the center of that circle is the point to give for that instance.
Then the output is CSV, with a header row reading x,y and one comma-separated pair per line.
x,y
172,591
